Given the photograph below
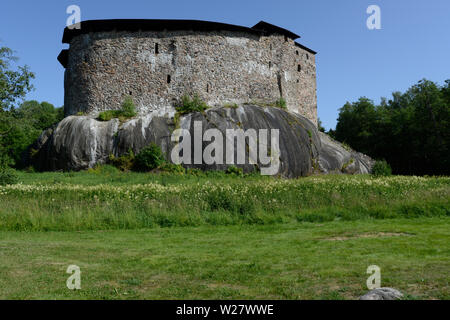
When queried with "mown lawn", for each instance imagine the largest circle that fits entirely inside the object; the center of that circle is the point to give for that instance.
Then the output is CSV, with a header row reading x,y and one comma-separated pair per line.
x,y
281,261
216,236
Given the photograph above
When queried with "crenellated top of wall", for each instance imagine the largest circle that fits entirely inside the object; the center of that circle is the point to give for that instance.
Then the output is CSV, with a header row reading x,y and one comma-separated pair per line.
x,y
157,63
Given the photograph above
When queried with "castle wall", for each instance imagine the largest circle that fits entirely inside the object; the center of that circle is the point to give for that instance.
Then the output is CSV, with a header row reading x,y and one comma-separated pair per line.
x,y
157,68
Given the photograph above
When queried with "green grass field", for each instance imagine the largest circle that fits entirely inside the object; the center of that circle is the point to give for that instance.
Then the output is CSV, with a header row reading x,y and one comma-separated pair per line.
x,y
216,236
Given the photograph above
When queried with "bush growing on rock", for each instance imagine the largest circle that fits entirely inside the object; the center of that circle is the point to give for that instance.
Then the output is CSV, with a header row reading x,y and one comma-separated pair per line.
x,y
281,103
231,105
188,105
107,115
150,158
124,162
128,110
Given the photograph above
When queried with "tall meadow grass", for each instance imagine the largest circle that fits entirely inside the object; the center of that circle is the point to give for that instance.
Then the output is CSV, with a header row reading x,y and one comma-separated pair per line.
x,y
117,200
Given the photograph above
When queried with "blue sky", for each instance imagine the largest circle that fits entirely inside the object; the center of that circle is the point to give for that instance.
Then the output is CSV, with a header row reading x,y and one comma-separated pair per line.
x,y
352,61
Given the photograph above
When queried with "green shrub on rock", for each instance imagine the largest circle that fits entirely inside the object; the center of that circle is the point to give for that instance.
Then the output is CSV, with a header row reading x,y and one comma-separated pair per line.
x,y
124,162
150,158
128,108
281,103
188,105
127,111
108,115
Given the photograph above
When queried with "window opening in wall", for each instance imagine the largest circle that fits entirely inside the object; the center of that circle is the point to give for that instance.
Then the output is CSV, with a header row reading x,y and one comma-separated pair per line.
x,y
299,68
207,87
156,48
131,93
307,56
270,64
296,52
172,46
168,79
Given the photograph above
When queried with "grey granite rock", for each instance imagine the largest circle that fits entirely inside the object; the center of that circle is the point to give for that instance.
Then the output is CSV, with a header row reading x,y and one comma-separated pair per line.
x,y
336,157
80,142
382,294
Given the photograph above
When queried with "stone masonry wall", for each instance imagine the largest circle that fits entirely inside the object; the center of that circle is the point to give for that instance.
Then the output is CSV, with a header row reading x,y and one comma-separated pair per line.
x,y
158,68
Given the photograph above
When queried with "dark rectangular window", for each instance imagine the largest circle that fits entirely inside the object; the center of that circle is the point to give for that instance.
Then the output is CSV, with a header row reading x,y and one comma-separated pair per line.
x,y
168,78
156,48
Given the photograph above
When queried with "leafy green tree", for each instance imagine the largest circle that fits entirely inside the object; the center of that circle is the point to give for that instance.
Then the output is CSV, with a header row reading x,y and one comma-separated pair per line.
x,y
41,115
431,120
411,130
320,126
355,124
14,84
20,127
17,135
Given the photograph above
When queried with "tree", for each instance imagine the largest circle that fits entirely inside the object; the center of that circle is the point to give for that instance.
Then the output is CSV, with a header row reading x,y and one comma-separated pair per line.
x,y
41,115
355,124
14,84
320,126
20,127
18,135
431,119
411,131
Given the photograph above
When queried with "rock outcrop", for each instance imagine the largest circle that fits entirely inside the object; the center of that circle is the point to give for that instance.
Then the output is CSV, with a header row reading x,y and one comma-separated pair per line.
x,y
336,157
81,142
382,294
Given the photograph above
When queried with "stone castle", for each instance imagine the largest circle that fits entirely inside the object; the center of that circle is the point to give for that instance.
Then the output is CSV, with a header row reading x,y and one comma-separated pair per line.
x,y
156,62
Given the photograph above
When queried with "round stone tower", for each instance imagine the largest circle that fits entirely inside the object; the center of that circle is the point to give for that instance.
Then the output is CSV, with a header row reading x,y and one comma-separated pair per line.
x,y
156,62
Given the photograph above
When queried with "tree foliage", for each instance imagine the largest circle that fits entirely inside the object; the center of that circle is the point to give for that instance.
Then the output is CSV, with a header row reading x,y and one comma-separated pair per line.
x,y
320,127
14,84
20,127
411,131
